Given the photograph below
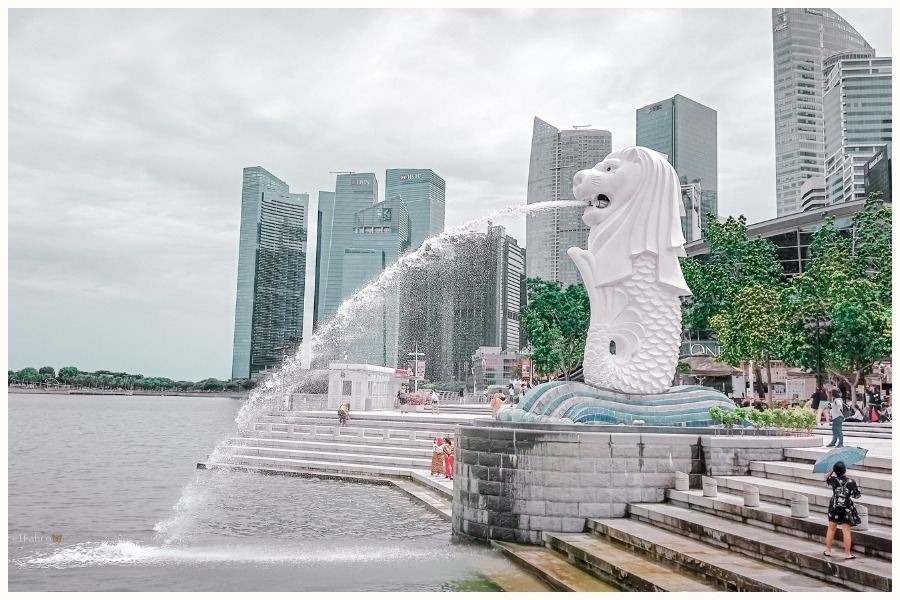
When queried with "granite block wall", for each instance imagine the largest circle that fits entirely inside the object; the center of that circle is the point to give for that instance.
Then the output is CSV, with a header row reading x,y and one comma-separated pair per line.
x,y
511,484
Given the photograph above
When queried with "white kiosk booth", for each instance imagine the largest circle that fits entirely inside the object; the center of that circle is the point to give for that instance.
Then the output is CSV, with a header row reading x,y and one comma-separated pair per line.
x,y
365,387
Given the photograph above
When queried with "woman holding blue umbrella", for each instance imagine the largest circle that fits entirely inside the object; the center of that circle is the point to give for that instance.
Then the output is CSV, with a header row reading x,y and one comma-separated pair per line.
x,y
841,510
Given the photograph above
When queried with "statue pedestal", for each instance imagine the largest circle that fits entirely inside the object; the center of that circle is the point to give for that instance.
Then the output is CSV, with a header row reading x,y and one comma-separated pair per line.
x,y
577,402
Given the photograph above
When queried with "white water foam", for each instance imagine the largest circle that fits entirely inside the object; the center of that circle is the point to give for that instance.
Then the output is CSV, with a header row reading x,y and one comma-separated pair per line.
x,y
127,552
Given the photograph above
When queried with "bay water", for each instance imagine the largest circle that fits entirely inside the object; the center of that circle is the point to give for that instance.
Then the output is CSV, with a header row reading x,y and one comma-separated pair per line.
x,y
104,495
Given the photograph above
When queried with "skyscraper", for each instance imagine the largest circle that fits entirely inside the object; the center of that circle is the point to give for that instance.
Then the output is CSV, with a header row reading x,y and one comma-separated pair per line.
x,y
857,104
353,192
801,37
878,173
422,192
463,297
380,236
324,224
686,132
555,158
268,319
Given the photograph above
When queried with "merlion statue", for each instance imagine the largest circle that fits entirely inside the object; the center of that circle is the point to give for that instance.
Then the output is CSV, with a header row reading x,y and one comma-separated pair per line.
x,y
634,280
631,270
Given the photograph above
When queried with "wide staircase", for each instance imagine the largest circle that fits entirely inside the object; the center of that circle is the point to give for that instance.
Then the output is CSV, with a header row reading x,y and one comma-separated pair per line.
x,y
372,445
697,542
863,430
692,542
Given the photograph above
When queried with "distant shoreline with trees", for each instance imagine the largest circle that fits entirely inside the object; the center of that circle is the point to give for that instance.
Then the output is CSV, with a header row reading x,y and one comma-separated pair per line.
x,y
72,380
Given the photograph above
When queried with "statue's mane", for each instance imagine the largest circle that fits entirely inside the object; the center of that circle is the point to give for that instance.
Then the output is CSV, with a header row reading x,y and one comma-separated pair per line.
x,y
649,221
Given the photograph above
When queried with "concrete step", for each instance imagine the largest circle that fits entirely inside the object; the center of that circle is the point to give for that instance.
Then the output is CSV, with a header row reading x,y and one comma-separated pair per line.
x,y
865,431
438,484
306,465
717,566
356,446
629,570
412,437
782,550
781,492
328,456
870,483
875,541
374,419
556,571
873,463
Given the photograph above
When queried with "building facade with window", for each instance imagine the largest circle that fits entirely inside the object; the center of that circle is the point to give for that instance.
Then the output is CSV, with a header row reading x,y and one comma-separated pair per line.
x,y
423,194
268,321
857,104
686,132
353,192
801,38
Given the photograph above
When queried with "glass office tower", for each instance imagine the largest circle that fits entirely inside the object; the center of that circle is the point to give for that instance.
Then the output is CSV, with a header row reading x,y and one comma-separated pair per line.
x,y
555,158
324,224
857,105
422,192
686,132
353,192
801,37
268,319
380,236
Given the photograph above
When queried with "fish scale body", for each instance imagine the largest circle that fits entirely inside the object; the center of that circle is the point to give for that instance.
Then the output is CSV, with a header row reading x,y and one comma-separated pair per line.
x,y
657,309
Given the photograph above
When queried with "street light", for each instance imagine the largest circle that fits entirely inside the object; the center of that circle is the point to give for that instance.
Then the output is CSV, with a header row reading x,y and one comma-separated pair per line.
x,y
818,323
416,354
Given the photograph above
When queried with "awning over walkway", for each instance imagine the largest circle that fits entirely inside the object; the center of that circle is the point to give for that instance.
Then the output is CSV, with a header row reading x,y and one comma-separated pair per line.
x,y
708,366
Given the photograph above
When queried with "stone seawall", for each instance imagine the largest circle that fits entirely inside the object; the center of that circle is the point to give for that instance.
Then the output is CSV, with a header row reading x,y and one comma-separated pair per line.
x,y
512,481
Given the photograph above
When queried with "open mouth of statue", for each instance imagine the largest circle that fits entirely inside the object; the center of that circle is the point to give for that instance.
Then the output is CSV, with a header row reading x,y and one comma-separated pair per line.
x,y
601,200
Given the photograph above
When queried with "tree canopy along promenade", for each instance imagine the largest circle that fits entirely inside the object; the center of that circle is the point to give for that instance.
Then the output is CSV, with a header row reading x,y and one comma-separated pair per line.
x,y
73,378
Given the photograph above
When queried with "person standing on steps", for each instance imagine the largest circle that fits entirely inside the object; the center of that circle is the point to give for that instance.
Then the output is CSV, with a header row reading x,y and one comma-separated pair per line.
x,y
837,419
437,456
841,510
820,405
434,403
496,403
344,413
448,458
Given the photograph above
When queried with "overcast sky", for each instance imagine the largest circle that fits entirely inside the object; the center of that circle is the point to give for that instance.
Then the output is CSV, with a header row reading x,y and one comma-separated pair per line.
x,y
129,130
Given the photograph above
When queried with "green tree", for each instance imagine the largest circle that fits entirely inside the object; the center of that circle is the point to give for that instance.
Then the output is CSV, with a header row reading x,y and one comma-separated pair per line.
x,y
843,284
733,263
47,372
556,322
873,249
68,374
29,375
754,327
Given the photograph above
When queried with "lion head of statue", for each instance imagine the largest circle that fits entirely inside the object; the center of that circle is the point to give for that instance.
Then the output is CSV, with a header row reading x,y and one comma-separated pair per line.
x,y
634,206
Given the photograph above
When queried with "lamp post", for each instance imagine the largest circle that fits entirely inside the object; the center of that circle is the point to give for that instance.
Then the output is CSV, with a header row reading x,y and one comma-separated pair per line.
x,y
416,356
817,323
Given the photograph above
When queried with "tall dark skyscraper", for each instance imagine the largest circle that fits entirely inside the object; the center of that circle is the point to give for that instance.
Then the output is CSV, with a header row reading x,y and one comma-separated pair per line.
x,y
268,320
801,39
473,298
555,158
686,132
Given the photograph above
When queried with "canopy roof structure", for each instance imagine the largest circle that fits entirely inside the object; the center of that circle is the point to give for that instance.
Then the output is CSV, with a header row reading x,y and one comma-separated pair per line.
x,y
705,365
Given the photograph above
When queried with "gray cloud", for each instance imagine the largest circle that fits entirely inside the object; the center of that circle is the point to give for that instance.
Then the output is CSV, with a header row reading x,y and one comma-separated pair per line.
x,y
128,131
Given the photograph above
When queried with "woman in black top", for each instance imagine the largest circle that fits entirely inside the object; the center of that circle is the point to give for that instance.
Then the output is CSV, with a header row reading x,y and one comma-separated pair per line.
x,y
843,488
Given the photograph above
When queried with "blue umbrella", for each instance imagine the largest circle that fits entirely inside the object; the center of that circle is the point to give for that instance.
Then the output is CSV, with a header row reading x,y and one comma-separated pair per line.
x,y
849,455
